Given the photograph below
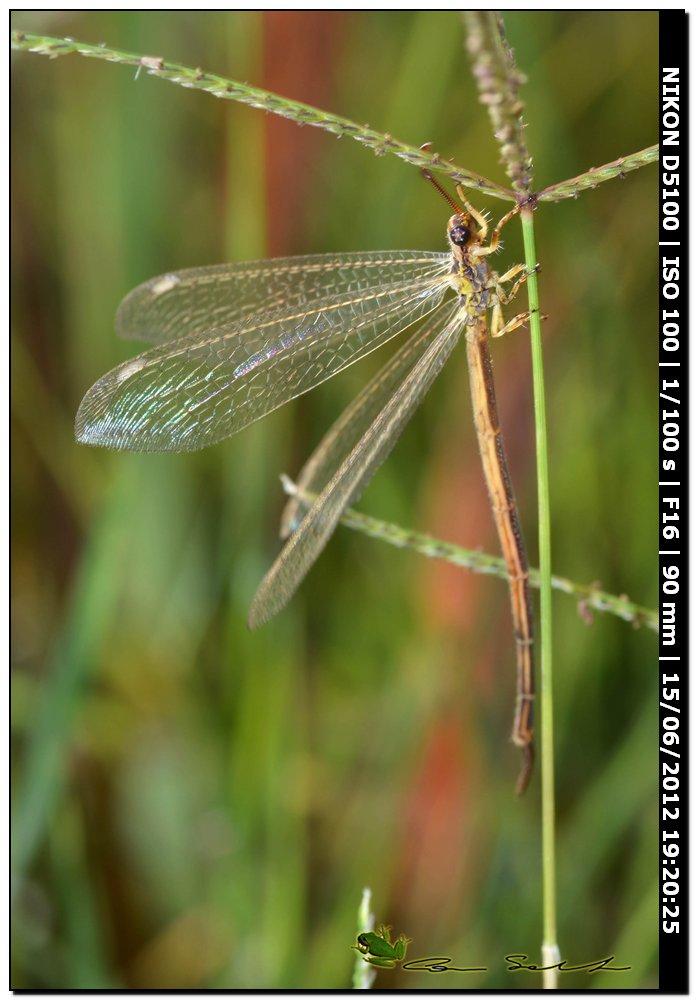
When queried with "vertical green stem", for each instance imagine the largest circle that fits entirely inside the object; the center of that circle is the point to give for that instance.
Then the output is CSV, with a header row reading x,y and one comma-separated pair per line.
x,y
364,975
550,948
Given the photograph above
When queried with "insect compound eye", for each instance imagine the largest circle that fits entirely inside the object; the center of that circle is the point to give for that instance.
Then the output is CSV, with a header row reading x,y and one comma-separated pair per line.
x,y
460,235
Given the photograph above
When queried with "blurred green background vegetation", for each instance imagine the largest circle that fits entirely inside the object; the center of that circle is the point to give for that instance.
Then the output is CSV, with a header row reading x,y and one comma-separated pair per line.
x,y
196,806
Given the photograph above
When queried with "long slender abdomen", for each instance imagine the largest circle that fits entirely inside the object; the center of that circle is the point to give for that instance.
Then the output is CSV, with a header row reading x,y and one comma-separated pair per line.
x,y
503,503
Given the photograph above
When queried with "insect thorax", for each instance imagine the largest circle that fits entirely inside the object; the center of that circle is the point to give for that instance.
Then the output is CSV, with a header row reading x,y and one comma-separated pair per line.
x,y
474,282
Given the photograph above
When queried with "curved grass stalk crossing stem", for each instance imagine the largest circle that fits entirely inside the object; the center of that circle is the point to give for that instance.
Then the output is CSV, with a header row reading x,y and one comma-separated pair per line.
x,y
589,597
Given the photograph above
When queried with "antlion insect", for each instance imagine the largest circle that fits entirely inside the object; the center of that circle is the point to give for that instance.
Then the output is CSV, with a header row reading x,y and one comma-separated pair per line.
x,y
236,341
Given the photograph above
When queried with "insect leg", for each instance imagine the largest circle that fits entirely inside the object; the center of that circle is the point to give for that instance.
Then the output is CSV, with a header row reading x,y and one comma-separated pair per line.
x,y
497,322
511,273
499,328
508,276
496,235
493,244
479,218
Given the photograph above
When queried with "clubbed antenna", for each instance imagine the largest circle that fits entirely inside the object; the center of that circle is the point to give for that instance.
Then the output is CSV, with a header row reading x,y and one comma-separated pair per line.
x,y
427,174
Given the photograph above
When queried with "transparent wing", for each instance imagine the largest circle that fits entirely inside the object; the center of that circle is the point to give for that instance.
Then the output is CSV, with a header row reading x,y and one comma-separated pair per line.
x,y
199,299
353,422
307,542
201,388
